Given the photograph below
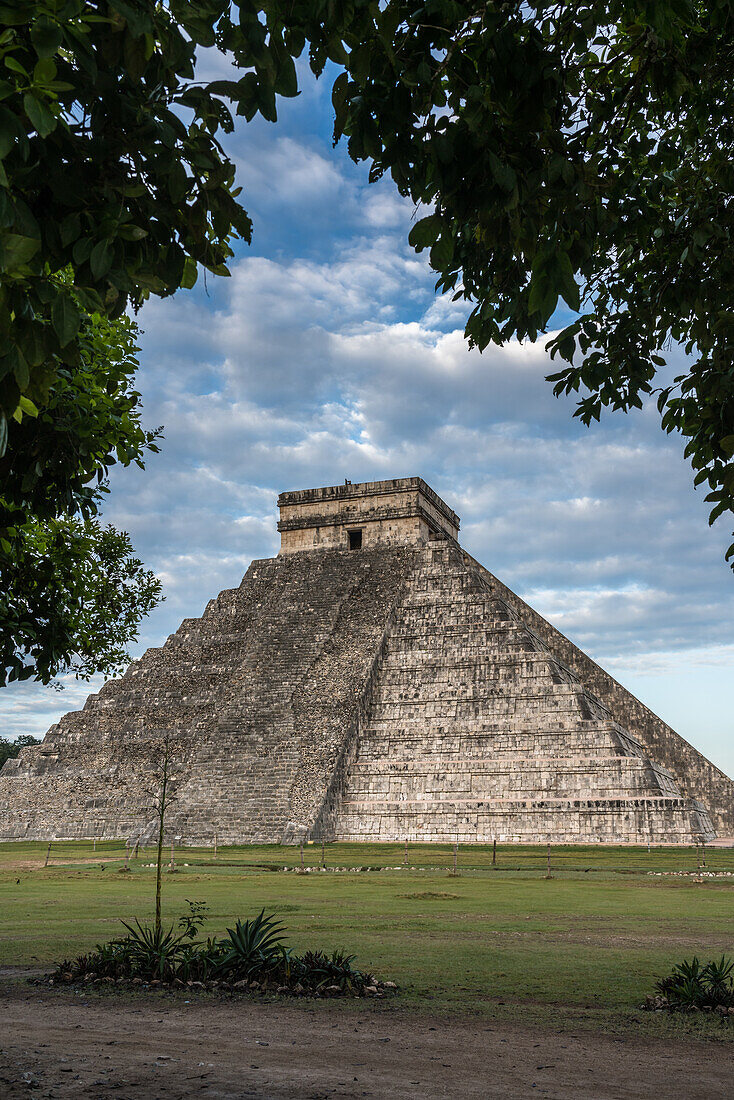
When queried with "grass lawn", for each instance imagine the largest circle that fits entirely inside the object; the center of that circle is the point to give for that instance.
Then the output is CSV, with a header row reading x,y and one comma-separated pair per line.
x,y
578,950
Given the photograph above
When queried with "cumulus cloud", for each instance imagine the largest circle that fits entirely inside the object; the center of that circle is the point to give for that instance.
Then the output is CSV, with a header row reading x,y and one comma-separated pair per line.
x,y
313,387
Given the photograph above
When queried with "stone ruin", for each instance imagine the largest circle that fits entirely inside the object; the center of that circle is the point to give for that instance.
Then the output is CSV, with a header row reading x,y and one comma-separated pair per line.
x,y
372,683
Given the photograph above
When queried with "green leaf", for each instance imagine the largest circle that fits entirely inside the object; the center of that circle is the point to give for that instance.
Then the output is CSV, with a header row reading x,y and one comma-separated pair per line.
x,y
132,232
190,273
65,319
538,293
82,249
136,56
16,251
89,299
46,37
9,131
69,229
727,445
570,292
218,269
31,344
425,232
44,72
15,67
229,88
22,375
503,174
100,259
442,252
286,81
41,118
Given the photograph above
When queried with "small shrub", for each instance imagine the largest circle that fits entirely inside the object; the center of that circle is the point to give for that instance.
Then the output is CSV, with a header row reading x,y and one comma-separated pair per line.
x,y
152,953
191,922
255,947
430,895
693,986
317,970
252,951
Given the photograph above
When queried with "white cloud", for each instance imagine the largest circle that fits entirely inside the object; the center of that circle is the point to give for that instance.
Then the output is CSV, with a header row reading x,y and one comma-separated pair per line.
x,y
286,170
384,209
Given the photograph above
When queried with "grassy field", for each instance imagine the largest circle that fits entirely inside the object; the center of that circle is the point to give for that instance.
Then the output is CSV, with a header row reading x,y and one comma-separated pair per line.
x,y
580,949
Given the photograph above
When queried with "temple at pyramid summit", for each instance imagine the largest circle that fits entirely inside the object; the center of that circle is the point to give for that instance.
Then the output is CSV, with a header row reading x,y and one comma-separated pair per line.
x,y
373,682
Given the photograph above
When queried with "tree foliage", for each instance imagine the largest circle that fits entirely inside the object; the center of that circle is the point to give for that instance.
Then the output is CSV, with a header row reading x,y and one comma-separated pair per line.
x,y
72,593
578,151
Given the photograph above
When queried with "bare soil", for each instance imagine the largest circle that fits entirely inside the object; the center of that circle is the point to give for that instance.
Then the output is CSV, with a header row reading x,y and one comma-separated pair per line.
x,y
65,1043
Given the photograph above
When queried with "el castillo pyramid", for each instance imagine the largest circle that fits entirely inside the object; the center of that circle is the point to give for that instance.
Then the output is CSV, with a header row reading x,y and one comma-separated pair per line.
x,y
372,682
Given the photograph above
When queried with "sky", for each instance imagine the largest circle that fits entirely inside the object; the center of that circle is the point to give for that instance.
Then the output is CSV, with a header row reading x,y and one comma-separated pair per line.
x,y
326,356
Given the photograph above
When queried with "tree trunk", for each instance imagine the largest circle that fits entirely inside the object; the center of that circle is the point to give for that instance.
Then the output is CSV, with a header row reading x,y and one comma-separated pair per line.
x,y
161,820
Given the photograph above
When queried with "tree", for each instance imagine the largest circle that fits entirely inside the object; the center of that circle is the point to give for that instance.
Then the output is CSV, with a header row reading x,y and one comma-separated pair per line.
x,y
72,593
99,175
580,150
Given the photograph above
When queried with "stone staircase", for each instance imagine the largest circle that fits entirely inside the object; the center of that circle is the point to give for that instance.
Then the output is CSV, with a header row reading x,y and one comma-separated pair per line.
x,y
477,732
261,770
258,694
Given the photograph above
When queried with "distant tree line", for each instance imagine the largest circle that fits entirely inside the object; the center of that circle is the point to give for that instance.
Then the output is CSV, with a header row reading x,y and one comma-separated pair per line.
x,y
10,749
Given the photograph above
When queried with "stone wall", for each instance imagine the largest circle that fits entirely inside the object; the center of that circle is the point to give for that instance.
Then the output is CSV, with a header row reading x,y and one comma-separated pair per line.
x,y
402,511
261,774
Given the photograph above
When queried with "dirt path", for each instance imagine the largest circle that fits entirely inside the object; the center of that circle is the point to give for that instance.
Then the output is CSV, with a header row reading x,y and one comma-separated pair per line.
x,y
63,1045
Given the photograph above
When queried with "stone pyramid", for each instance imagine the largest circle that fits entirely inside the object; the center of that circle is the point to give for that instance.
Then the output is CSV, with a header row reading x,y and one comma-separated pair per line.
x,y
372,682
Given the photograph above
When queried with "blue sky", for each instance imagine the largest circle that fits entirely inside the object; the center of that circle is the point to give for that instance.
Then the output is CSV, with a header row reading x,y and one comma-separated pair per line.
x,y
327,355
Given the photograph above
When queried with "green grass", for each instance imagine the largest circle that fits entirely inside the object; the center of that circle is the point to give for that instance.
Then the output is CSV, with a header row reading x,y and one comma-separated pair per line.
x,y
580,949
509,857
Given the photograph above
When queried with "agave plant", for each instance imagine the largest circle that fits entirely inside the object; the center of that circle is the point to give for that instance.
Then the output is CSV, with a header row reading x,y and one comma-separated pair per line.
x,y
317,969
720,977
253,946
693,985
153,953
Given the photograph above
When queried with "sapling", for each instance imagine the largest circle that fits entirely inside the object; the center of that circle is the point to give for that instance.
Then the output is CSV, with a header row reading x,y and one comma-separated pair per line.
x,y
191,922
164,748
